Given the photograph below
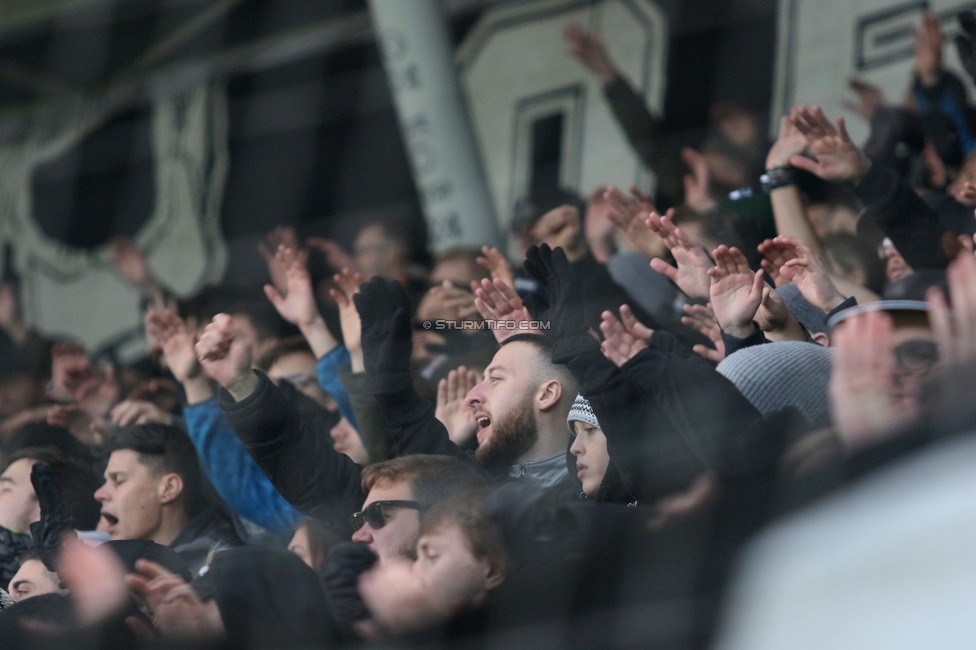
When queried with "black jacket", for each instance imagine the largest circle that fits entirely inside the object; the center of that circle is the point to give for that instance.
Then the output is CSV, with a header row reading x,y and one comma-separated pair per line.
x,y
12,548
216,527
667,414
913,227
297,457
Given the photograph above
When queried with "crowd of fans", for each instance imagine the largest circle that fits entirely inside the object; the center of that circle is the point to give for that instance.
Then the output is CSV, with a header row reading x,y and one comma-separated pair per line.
x,y
570,449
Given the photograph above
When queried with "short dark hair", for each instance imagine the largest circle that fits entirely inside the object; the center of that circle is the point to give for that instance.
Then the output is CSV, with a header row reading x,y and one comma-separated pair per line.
x,y
431,477
164,448
544,345
468,510
290,345
76,480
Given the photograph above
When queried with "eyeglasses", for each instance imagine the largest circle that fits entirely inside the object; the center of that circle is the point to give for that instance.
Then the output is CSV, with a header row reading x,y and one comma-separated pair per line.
x,y
375,514
916,357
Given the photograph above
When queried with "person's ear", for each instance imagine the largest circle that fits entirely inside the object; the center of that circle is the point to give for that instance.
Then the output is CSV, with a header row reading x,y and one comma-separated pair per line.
x,y
549,394
495,573
170,487
820,337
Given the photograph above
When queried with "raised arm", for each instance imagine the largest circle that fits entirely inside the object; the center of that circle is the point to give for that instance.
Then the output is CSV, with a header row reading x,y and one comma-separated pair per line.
x,y
238,479
384,310
297,305
914,228
299,461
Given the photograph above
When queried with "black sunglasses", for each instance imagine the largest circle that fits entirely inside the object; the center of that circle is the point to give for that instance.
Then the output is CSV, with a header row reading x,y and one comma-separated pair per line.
x,y
375,513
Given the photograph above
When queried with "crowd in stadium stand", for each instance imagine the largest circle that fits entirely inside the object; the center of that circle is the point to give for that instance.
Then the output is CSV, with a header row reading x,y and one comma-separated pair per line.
x,y
569,443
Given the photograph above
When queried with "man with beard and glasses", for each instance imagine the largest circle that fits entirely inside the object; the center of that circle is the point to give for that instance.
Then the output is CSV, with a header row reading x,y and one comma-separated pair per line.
x,y
520,406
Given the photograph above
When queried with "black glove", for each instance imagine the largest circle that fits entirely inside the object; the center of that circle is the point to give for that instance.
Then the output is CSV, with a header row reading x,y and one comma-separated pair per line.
x,y
965,42
340,576
567,326
49,532
387,340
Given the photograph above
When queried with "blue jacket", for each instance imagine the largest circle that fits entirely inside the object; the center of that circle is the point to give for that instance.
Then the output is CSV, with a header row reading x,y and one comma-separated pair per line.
x,y
327,368
234,474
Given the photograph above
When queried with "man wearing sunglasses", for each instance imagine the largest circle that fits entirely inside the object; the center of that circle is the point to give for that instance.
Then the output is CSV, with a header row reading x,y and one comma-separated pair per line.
x,y
397,491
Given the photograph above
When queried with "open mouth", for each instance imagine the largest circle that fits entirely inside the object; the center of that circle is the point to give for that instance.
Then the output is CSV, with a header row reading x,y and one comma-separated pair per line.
x,y
111,520
483,420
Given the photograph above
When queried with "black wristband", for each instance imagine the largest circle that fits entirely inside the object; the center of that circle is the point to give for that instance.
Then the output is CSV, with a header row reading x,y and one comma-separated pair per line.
x,y
778,177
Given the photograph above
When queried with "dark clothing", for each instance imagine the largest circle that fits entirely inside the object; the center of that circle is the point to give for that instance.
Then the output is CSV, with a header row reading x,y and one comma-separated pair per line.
x,y
267,598
317,417
296,456
367,415
646,136
598,293
12,548
734,343
667,414
213,528
913,227
954,215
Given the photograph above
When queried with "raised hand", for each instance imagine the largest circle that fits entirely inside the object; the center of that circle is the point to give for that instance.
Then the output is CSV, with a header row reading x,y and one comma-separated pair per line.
x,y
928,50
588,48
70,366
691,274
955,331
132,411
94,576
965,41
11,318
456,416
862,379
130,262
98,393
296,303
703,319
56,523
630,215
278,268
346,286
551,268
178,612
791,142
384,310
498,302
335,255
224,353
791,261
497,264
838,159
623,338
870,99
455,299
736,292
176,342
697,194
298,306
